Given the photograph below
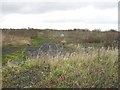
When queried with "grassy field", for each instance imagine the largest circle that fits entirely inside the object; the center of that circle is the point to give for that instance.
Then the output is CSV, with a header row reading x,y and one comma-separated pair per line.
x,y
78,70
90,66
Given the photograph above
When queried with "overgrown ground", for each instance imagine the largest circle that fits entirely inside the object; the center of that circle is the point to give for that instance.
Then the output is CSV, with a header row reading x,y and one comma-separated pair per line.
x,y
78,70
89,65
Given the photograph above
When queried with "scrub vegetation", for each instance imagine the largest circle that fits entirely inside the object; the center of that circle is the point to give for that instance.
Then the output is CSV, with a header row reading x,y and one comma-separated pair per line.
x,y
89,59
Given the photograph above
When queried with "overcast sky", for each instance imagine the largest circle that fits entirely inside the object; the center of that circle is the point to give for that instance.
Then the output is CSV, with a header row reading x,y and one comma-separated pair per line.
x,y
59,14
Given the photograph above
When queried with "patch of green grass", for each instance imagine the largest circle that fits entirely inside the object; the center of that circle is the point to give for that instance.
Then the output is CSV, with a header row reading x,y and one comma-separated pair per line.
x,y
18,57
40,39
37,40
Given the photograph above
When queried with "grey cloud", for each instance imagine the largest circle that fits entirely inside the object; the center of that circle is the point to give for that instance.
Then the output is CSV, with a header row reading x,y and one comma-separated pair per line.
x,y
10,7
105,5
42,7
